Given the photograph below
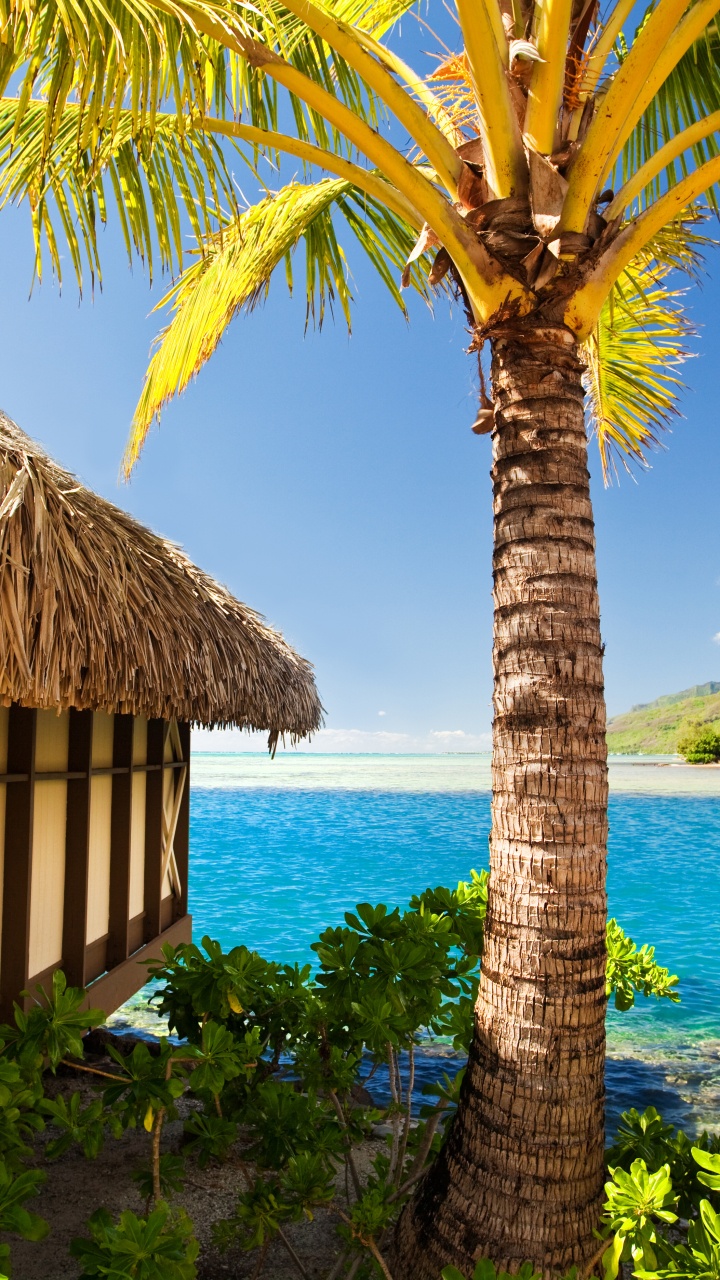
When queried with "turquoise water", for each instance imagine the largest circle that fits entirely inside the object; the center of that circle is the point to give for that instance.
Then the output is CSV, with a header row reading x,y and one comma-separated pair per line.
x,y
282,848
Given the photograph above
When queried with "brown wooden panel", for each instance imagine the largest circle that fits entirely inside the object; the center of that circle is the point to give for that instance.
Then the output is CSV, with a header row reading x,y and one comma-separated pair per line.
x,y
118,941
44,979
95,958
136,932
18,858
167,911
77,847
115,987
153,828
182,833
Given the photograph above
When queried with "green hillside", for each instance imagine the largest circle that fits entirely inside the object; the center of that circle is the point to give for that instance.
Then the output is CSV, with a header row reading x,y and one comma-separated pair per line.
x,y
653,728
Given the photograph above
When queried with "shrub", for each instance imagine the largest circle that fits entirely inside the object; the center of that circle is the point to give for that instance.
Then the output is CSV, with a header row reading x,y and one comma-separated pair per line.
x,y
277,1053
700,744
158,1247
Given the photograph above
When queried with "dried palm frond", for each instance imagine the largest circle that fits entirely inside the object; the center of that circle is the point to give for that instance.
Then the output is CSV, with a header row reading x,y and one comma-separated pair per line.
x,y
454,89
99,613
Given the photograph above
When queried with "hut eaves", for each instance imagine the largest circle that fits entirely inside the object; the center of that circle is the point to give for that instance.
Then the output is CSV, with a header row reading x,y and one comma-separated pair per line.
x,y
97,612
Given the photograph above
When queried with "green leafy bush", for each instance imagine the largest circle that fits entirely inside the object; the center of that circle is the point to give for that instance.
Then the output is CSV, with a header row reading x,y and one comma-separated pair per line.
x,y
700,744
278,1053
15,1219
630,970
648,1138
158,1247
485,1270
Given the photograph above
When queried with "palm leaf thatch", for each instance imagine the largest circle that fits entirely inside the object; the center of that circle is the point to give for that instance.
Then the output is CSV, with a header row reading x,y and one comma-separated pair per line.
x,y
97,612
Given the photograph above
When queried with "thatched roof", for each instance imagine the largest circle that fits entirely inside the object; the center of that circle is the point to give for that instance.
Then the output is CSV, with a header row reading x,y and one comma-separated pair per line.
x,y
98,612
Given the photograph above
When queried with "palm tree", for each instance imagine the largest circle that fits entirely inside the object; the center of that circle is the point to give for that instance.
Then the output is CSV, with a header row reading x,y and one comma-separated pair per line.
x,y
551,183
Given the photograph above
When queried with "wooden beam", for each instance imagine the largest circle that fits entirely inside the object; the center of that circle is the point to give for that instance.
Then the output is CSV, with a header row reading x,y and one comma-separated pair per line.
x,y
64,775
153,828
182,831
120,835
115,987
77,847
169,864
14,959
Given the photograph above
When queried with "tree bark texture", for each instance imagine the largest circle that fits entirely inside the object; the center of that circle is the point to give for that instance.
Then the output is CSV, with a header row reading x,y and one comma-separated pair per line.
x,y
521,1175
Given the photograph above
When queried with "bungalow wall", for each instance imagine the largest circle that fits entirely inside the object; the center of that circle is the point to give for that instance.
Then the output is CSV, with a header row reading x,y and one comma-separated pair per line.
x,y
94,817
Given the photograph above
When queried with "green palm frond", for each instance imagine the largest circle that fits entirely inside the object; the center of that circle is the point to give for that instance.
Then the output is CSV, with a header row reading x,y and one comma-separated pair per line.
x,y
294,41
690,93
373,16
162,181
104,54
632,362
110,55
679,246
235,273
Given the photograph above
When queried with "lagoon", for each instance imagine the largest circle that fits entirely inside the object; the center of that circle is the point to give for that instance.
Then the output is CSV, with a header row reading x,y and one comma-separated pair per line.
x,y
280,849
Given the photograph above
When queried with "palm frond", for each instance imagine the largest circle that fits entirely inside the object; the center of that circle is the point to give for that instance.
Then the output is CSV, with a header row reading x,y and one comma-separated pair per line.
x,y
453,84
162,181
691,92
633,357
680,246
291,38
109,56
374,16
235,273
104,54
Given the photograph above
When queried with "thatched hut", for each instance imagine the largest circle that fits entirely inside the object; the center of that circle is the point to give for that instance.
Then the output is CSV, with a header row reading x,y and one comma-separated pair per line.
x,y
113,644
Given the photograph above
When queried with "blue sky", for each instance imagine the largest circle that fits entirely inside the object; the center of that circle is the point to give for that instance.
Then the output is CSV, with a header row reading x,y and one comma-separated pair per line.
x,y
334,484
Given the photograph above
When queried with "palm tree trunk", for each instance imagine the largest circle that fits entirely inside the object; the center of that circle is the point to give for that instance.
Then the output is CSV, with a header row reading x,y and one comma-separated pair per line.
x,y
520,1177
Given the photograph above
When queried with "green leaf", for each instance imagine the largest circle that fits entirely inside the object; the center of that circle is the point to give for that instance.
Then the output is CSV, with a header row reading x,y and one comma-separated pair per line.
x,y
631,970
611,1259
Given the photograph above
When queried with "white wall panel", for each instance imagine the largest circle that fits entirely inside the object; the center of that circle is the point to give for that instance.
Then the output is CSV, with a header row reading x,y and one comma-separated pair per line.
x,y
48,853
137,846
102,755
48,875
99,869
51,742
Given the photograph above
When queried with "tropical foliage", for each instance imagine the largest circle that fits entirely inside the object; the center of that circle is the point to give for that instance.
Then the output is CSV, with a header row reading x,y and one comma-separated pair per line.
x,y
700,743
282,1054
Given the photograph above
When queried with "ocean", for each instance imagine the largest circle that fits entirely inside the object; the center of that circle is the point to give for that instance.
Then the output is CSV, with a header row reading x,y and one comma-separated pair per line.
x,y
282,848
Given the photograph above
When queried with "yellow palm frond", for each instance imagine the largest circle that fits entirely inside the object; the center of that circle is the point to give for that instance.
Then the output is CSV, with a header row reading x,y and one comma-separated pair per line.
x,y
373,16
235,273
691,93
155,178
632,360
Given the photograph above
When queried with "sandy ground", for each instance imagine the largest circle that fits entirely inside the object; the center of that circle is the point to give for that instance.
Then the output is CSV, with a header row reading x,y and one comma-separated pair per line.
x,y
75,1187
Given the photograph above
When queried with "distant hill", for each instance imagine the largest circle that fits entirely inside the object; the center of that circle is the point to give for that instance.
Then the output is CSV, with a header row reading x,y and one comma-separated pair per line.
x,y
653,728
